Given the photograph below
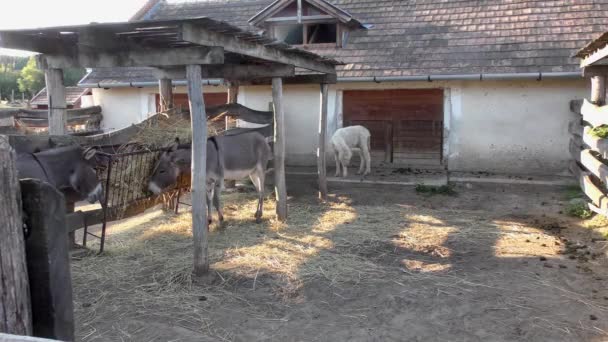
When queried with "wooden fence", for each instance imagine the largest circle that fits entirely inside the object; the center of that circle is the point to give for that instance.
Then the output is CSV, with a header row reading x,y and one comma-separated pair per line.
x,y
36,297
590,153
86,119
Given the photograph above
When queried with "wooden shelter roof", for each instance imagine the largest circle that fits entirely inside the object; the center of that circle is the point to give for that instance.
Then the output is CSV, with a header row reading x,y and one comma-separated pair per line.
x,y
594,52
240,47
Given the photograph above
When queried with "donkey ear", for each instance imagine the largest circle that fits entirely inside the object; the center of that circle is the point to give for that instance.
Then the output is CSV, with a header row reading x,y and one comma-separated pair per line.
x,y
89,153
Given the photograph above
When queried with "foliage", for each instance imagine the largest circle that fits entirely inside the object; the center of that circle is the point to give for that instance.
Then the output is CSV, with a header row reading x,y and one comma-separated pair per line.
x,y
31,80
71,76
8,82
572,192
447,190
579,209
599,131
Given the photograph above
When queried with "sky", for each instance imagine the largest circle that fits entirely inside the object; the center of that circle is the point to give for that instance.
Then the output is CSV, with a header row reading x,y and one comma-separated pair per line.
x,y
19,14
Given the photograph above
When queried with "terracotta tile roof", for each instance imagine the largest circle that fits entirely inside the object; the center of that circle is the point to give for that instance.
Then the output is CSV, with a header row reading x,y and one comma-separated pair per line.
x,y
422,37
72,95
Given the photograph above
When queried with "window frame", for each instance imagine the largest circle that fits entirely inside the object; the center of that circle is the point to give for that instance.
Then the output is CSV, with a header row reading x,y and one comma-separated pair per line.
x,y
305,25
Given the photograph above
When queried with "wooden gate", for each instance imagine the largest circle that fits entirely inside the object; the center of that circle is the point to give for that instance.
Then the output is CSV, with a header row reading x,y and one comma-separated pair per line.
x,y
406,125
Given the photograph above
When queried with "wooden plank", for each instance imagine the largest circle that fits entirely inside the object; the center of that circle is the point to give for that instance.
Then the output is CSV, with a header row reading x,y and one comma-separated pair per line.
x,y
593,192
575,127
575,150
233,72
598,90
43,113
165,89
575,106
73,121
199,35
596,70
233,94
56,96
321,161
15,312
595,57
137,57
595,143
20,338
594,115
593,165
199,158
48,260
241,112
279,149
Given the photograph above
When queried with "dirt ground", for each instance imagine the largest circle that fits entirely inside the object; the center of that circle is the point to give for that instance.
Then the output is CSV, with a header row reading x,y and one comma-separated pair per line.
x,y
375,263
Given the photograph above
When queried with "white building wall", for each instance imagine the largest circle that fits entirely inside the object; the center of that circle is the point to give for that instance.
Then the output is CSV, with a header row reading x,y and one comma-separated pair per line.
x,y
502,126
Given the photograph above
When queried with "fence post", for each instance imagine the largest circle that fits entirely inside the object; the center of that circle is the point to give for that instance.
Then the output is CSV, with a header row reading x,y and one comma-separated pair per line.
x,y
48,261
15,314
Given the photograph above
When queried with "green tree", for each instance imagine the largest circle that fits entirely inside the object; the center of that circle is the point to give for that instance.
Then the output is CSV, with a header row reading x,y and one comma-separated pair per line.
x,y
8,82
31,80
71,76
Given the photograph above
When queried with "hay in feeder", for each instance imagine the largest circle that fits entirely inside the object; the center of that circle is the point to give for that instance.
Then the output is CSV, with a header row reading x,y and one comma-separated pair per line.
x,y
130,175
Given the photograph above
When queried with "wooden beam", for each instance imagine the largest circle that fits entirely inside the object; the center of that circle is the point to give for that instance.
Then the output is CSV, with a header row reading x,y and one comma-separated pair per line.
x,y
239,111
166,94
232,72
48,261
594,114
43,113
597,144
199,157
297,79
595,57
279,149
141,57
15,311
198,35
322,18
598,90
299,12
57,106
19,41
321,162
596,70
595,166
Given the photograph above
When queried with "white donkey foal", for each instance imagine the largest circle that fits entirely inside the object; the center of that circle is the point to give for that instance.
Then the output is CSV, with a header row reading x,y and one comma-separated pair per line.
x,y
344,141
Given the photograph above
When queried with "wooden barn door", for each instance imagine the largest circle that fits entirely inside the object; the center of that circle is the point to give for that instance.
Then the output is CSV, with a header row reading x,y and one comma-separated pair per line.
x,y
406,125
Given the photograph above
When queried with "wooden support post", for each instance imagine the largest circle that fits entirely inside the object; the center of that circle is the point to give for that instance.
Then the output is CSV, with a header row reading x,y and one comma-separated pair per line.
x,y
233,93
279,148
199,158
56,96
48,261
598,90
15,312
321,165
388,141
166,95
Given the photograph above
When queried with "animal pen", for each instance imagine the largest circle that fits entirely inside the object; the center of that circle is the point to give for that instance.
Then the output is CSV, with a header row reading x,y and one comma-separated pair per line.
x,y
588,146
190,49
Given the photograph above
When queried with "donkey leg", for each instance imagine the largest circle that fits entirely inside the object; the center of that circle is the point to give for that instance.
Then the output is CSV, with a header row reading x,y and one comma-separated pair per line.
x,y
217,202
210,191
256,178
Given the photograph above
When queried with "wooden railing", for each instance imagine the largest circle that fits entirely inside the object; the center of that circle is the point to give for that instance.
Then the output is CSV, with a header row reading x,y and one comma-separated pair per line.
x,y
38,118
589,153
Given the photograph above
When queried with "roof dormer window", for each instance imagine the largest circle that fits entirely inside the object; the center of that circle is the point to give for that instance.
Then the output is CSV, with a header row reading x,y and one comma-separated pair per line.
x,y
305,22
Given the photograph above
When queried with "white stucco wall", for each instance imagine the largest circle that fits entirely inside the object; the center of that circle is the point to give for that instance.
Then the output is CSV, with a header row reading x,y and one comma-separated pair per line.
x,y
518,127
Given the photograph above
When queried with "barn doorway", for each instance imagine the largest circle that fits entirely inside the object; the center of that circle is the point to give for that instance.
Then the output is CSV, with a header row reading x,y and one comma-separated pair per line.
x,y
406,125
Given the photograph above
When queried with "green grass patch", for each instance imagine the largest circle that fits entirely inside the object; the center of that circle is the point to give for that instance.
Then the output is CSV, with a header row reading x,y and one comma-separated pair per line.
x,y
599,131
580,210
572,192
447,190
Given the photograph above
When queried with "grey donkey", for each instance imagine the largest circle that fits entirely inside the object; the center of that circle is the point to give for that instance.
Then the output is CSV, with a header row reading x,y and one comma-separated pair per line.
x,y
229,157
